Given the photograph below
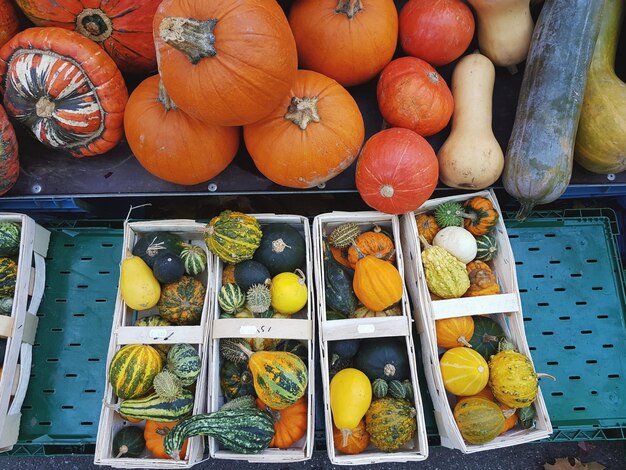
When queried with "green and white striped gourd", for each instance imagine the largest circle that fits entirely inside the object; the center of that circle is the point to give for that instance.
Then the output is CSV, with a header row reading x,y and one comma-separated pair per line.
x,y
6,305
344,235
487,247
258,298
184,361
231,299
167,385
194,259
155,408
380,388
396,389
408,389
242,430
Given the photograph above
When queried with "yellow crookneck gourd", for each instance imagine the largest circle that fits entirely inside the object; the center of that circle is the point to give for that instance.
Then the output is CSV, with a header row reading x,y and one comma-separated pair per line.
x,y
140,289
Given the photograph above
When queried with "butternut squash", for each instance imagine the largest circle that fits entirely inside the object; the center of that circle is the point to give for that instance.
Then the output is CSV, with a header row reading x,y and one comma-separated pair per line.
x,y
601,138
471,156
505,28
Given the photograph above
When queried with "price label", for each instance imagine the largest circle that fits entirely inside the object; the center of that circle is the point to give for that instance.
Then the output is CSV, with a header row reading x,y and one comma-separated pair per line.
x,y
366,328
254,330
158,333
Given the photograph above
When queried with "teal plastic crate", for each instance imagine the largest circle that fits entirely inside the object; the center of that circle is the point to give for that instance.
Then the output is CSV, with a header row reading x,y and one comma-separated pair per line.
x,y
61,410
572,290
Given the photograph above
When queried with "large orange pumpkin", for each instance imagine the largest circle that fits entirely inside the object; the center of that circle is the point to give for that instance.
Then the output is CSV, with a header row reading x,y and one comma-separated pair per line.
x,y
348,40
172,145
9,22
312,136
397,171
226,62
123,28
72,97
411,94
9,162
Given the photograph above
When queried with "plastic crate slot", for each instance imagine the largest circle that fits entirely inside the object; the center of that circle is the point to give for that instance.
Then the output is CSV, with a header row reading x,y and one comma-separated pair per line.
x,y
27,407
601,317
613,376
82,286
581,302
71,375
576,275
512,235
591,361
538,276
568,247
94,359
99,301
45,423
543,304
569,347
33,375
86,258
86,423
553,363
75,344
574,377
565,318
65,272
57,330
522,291
533,248
528,319
547,333
48,391
594,392
39,314
90,390
559,289
67,407
53,359
36,344
557,394
532,348
79,314
579,408
549,235
69,245
519,263
104,273
597,288
106,245
60,301
586,332
554,261
592,261
607,346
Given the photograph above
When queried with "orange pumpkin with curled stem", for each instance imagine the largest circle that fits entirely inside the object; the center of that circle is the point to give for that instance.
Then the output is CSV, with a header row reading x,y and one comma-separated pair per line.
x,y
454,332
480,216
357,441
317,130
171,144
154,433
348,40
290,424
371,243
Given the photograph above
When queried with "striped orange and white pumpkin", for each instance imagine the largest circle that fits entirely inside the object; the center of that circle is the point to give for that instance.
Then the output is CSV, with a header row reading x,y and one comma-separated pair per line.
x,y
464,371
64,89
133,369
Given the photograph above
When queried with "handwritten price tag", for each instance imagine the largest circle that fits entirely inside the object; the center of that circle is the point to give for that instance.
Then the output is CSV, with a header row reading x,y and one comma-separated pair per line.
x,y
254,330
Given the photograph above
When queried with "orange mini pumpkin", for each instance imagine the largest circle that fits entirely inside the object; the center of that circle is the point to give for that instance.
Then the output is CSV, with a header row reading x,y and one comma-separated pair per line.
x,y
377,283
371,243
290,423
357,440
454,332
482,217
154,433
427,226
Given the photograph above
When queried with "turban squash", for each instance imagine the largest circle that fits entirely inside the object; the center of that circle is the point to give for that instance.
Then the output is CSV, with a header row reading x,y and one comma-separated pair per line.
x,y
312,136
72,97
169,143
122,28
9,163
226,62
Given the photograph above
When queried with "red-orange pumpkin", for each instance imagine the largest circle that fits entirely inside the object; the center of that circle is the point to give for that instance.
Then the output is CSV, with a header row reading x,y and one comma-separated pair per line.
x,y
72,97
290,423
312,136
172,145
9,162
348,40
123,28
397,171
9,22
411,94
226,62
437,31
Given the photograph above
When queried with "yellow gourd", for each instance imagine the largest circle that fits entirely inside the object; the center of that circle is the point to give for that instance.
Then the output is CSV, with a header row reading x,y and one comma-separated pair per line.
x,y
465,372
140,289
350,398
471,157
505,28
289,292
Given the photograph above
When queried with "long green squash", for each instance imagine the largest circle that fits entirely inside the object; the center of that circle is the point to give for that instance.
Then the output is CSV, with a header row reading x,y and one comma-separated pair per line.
x,y
242,430
539,157
601,138
155,408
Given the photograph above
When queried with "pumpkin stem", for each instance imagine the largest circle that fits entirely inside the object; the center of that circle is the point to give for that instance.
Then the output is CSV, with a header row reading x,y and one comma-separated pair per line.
x,y
464,342
547,376
359,253
194,38
278,246
303,110
110,406
349,8
44,108
386,190
301,276
524,211
508,412
490,338
433,77
164,98
94,24
345,435
122,450
245,350
389,370
424,242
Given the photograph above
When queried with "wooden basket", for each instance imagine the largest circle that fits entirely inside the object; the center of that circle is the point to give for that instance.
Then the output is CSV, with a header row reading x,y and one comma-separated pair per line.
x,y
20,327
301,327
122,333
505,308
333,330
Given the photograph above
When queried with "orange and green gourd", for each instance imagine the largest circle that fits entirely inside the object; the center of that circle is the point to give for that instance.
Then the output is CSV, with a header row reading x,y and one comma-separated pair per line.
x,y
133,369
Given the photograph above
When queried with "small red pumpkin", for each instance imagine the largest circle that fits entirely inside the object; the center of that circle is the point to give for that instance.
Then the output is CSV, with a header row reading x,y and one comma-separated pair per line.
x,y
123,28
347,40
438,31
226,62
397,171
9,162
172,145
9,22
411,94
73,97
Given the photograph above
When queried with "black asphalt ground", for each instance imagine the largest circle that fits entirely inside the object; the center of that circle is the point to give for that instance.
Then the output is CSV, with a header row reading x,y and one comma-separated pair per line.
x,y
611,454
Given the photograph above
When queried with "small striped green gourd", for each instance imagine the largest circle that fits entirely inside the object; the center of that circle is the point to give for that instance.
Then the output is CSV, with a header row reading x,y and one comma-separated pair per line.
x,y
487,247
408,389
242,430
10,234
155,408
233,236
280,377
8,276
344,235
231,298
390,423
479,419
380,388
194,259
184,361
181,302
236,380
156,320
6,305
133,369
396,389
